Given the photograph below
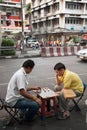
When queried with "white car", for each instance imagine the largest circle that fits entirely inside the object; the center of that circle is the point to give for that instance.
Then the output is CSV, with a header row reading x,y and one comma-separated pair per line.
x,y
32,43
82,54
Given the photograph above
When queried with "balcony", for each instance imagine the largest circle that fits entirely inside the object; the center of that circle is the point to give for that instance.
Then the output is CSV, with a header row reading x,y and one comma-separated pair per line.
x,y
10,5
12,1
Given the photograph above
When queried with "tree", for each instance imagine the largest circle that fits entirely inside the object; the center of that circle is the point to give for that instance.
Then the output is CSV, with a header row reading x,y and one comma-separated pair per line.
x,y
1,1
28,12
28,8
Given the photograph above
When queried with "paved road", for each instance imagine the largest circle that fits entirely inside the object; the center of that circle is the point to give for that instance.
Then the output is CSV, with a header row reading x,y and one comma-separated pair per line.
x,y
43,75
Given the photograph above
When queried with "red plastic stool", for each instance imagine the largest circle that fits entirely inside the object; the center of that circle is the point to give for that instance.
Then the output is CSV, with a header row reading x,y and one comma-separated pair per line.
x,y
48,107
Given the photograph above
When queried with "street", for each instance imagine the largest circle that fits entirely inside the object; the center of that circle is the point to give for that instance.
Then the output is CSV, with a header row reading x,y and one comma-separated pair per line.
x,y
43,73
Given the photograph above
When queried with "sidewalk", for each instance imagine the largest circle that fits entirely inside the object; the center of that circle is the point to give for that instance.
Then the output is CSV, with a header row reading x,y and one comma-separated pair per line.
x,y
27,53
75,122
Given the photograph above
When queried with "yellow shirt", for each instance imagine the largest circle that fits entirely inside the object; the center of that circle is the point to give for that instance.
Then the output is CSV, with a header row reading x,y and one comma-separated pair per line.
x,y
72,80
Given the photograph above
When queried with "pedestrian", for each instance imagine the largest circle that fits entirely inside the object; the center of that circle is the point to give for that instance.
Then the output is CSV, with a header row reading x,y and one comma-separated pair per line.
x,y
66,79
18,95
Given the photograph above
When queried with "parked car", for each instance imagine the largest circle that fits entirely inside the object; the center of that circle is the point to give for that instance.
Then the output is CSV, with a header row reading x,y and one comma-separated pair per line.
x,y
32,43
72,44
83,42
82,54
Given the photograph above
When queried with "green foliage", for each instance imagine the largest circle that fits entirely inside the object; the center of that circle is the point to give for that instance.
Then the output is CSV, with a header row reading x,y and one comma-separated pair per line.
x,y
28,7
9,46
75,40
7,42
1,1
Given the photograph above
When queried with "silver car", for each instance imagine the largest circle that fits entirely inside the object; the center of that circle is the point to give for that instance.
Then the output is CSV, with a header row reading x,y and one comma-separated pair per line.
x,y
82,54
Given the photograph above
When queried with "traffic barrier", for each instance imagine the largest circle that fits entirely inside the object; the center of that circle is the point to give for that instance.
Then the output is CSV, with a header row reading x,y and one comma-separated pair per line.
x,y
60,51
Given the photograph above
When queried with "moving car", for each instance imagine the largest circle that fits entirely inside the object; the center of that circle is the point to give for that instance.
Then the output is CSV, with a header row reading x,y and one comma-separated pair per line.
x,y
82,54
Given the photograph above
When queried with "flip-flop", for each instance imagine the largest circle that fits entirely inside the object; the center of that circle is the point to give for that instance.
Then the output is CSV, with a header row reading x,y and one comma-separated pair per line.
x,y
62,116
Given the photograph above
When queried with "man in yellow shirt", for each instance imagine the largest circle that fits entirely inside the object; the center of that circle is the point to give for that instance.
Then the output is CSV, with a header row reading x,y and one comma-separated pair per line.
x,y
66,79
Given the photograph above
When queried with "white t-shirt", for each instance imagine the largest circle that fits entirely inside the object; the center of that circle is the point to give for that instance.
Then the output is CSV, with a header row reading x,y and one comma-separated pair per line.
x,y
17,82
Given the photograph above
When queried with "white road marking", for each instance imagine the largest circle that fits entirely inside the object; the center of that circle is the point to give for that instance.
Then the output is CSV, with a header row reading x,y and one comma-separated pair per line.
x,y
4,84
78,74
1,66
83,74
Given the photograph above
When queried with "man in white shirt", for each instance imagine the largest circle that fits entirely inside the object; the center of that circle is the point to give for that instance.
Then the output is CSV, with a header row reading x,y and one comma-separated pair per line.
x,y
18,92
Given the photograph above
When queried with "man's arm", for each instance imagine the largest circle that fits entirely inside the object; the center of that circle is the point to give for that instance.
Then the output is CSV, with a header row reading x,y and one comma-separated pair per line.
x,y
33,88
29,96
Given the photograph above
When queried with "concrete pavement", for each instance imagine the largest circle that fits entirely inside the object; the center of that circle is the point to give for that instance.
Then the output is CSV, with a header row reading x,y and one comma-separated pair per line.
x,y
77,121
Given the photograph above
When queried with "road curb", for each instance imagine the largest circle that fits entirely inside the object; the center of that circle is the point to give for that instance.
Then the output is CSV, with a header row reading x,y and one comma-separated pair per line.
x,y
18,57
22,55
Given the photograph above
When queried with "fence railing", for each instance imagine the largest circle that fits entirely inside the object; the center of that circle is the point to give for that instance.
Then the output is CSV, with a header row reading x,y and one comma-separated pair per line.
x,y
7,48
3,49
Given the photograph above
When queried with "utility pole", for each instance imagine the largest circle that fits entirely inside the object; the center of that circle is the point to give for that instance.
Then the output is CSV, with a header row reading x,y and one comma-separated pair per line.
x,y
22,21
0,33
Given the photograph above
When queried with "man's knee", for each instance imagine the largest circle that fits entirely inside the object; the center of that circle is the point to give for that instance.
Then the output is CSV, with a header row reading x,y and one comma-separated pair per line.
x,y
36,106
58,88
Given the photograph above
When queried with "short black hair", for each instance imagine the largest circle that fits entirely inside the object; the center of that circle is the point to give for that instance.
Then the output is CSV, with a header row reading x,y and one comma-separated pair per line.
x,y
59,66
28,63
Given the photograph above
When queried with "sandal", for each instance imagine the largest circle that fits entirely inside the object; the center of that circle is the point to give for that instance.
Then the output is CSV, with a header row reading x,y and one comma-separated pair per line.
x,y
67,113
63,116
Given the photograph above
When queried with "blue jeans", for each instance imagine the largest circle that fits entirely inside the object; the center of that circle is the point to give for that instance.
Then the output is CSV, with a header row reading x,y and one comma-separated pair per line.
x,y
28,107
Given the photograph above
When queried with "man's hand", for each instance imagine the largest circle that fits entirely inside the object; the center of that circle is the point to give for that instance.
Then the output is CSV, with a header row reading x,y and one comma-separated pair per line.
x,y
37,88
38,101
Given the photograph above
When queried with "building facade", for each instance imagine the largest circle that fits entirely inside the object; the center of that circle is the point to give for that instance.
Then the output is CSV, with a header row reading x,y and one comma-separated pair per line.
x,y
12,12
52,19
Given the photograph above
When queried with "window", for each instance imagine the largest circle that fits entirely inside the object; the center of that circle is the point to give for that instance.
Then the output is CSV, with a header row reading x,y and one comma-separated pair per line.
x,y
35,26
55,7
86,6
55,22
71,5
72,21
41,24
85,21
47,10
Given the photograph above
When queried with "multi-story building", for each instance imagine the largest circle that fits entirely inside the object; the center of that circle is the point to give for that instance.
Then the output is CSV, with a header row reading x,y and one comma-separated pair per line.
x,y
11,15
54,18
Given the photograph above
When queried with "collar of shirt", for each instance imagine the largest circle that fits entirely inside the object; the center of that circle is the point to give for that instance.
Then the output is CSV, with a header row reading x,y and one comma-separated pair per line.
x,y
24,71
25,75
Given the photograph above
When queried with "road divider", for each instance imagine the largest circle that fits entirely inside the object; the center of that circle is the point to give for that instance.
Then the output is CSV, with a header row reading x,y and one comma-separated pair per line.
x,y
60,51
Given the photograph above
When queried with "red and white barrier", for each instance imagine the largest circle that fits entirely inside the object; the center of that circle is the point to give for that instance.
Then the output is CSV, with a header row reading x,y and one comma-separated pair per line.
x,y
60,51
